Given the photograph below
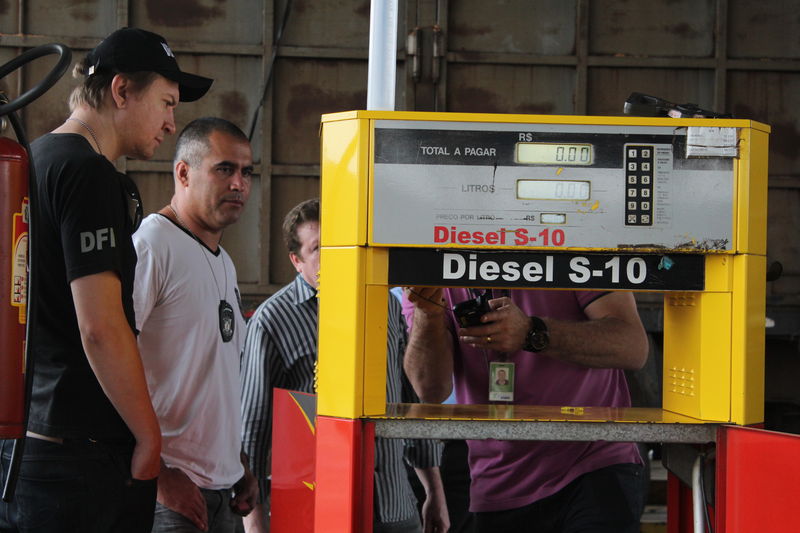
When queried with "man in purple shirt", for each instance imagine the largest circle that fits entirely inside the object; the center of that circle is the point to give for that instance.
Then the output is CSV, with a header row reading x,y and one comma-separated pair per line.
x,y
563,348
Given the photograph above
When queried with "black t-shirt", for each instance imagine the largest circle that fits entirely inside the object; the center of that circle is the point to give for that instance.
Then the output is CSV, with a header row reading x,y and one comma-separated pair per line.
x,y
84,227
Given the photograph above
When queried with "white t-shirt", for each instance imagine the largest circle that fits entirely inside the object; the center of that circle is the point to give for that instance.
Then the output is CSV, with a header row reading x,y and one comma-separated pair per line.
x,y
193,376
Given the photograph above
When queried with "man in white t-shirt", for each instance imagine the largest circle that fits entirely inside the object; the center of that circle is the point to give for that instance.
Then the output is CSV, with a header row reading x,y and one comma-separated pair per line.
x,y
192,330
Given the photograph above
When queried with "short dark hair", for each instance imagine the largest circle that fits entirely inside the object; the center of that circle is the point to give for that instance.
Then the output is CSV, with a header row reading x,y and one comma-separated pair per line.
x,y
307,211
92,89
193,141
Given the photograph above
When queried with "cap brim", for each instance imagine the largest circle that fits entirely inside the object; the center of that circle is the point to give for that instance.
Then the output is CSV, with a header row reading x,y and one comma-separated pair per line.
x,y
192,86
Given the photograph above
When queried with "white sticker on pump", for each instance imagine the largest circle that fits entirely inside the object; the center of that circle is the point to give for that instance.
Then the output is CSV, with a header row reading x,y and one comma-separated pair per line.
x,y
711,141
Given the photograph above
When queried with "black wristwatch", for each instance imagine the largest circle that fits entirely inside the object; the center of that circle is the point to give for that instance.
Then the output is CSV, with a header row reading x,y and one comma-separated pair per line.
x,y
538,338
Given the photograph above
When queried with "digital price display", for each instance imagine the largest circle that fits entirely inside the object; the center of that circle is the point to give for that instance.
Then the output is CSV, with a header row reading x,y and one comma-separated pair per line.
x,y
555,154
553,190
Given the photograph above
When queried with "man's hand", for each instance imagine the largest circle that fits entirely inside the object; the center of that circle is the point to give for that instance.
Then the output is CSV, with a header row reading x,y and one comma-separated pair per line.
x,y
435,518
245,494
146,460
429,300
177,492
258,520
434,515
612,337
504,328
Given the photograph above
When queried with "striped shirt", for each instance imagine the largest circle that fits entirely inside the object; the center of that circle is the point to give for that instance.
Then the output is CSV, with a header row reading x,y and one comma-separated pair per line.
x,y
280,350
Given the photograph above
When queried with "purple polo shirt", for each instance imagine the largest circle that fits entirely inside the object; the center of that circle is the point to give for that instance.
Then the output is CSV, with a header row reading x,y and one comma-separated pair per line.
x,y
512,474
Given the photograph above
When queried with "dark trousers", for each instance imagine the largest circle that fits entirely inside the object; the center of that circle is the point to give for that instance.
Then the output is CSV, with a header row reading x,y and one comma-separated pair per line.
x,y
456,479
79,486
608,500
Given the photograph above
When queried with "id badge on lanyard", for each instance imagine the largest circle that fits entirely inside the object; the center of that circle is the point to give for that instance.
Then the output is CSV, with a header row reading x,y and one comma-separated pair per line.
x,y
501,381
501,374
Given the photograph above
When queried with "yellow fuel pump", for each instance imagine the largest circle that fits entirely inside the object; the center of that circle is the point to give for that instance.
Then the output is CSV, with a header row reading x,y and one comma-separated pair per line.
x,y
676,206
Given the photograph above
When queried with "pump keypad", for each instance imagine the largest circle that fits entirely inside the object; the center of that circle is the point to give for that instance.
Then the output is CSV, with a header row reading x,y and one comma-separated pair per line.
x,y
639,185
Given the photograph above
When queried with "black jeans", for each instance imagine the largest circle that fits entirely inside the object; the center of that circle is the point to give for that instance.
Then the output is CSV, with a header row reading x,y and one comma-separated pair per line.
x,y
608,500
79,486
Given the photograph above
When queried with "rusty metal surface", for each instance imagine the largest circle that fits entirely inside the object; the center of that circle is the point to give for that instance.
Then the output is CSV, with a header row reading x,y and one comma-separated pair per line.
x,y
309,88
233,96
783,244
772,98
510,89
72,18
9,14
155,189
608,88
49,110
8,85
239,21
329,24
759,29
545,27
666,28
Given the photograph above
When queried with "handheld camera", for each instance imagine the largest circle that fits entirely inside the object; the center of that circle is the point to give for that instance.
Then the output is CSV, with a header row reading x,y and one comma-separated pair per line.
x,y
469,312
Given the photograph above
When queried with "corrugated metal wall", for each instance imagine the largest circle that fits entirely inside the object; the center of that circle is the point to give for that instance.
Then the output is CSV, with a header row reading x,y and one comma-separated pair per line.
x,y
223,40
505,56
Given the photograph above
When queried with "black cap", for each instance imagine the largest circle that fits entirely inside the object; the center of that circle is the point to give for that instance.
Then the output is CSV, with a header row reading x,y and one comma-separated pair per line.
x,y
134,50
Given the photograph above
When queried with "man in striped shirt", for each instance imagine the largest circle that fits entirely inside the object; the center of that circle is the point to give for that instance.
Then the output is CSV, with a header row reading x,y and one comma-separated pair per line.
x,y
281,351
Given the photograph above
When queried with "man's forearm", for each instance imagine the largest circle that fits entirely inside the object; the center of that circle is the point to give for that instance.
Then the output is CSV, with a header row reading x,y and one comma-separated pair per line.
x,y
428,360
112,353
613,337
114,358
118,368
434,509
603,343
431,479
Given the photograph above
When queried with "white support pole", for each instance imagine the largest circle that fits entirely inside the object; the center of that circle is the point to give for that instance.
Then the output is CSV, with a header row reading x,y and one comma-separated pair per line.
x,y
698,510
382,68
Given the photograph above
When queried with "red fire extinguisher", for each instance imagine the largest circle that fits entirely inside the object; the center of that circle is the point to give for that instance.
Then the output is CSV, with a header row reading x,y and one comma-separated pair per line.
x,y
17,257
13,285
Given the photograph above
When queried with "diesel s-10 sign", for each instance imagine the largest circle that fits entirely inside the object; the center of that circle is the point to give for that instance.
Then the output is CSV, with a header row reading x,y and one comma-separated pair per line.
x,y
473,268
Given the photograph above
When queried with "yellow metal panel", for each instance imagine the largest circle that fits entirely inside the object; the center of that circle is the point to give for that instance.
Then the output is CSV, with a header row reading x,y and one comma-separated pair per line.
x,y
351,373
375,330
378,266
697,343
342,319
376,320
345,155
719,273
541,119
751,195
747,354
548,249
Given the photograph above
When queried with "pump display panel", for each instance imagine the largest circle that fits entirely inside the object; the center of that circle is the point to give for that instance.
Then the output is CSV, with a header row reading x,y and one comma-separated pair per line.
x,y
549,186
554,153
